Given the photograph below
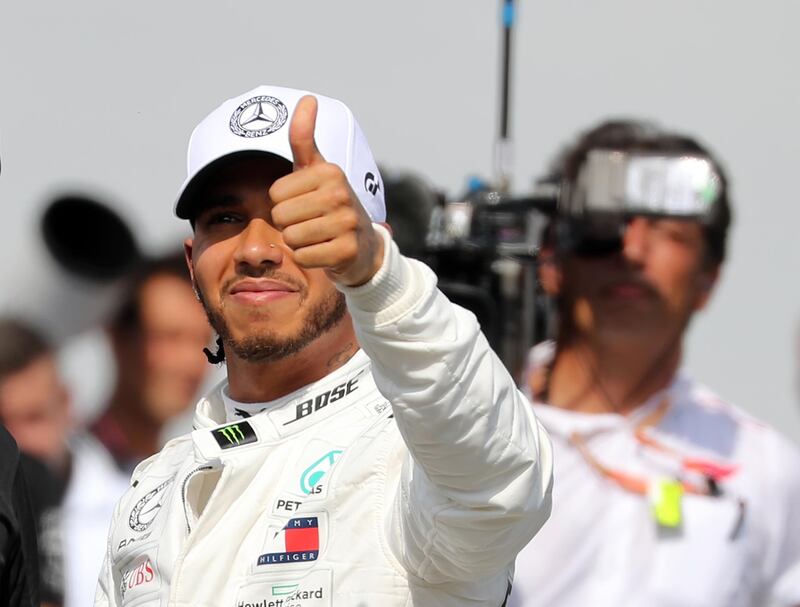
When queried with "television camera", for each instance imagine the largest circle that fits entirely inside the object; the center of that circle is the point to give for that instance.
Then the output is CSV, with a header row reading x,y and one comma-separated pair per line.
x,y
485,248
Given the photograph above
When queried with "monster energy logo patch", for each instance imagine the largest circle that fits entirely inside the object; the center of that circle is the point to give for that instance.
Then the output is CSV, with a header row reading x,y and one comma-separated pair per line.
x,y
235,435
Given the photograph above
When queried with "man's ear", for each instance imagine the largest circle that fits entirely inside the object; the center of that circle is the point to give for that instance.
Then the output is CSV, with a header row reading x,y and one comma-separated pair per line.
x,y
549,271
388,227
65,401
706,281
187,253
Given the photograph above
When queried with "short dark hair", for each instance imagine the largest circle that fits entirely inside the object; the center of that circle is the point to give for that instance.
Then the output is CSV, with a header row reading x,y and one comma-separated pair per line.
x,y
20,345
627,135
127,315
194,207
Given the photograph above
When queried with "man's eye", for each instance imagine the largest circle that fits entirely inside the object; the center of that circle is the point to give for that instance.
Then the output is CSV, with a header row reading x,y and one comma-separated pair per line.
x,y
674,230
221,217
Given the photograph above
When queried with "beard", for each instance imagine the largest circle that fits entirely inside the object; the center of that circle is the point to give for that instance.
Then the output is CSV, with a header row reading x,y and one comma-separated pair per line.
x,y
266,345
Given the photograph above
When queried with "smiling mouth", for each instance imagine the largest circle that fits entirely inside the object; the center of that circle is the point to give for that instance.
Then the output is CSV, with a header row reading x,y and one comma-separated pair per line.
x,y
629,291
254,292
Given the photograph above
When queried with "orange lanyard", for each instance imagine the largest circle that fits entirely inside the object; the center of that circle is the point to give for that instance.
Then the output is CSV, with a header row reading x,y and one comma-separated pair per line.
x,y
713,471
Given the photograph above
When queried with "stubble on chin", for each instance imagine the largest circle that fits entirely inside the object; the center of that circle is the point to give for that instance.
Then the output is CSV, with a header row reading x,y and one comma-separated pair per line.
x,y
266,345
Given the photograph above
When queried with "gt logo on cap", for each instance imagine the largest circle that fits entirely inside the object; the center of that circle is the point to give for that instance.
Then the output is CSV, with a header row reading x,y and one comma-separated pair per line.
x,y
371,183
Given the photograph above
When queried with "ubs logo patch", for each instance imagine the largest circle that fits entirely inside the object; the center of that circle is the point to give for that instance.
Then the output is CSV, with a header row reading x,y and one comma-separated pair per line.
x,y
140,575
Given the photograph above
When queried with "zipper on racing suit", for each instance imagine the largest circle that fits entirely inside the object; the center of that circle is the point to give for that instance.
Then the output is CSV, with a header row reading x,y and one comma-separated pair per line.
x,y
184,486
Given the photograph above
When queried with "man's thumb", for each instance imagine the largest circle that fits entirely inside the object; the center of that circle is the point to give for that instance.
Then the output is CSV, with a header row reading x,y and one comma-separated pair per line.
x,y
301,133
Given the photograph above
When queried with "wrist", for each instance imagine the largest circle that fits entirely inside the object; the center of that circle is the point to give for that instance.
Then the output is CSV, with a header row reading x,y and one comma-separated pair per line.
x,y
373,260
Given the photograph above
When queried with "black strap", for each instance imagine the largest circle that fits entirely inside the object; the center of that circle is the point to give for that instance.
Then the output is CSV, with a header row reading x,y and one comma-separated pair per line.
x,y
508,594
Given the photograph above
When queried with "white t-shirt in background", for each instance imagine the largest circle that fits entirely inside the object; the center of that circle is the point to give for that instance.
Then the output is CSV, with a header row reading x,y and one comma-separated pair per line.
x,y
602,545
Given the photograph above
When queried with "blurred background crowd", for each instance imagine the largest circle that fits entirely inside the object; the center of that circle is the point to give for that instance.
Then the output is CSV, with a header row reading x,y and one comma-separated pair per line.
x,y
101,336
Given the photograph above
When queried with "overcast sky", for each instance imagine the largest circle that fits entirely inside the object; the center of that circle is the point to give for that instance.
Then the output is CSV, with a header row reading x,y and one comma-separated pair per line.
x,y
102,96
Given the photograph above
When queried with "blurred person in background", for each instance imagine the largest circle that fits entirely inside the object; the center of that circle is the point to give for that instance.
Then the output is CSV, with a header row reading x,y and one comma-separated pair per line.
x,y
34,407
158,335
19,553
410,202
34,402
46,492
665,494
19,575
85,482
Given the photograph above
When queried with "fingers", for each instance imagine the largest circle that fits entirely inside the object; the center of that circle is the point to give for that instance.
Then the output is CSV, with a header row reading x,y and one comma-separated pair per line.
x,y
301,134
326,198
332,255
319,230
305,180
317,212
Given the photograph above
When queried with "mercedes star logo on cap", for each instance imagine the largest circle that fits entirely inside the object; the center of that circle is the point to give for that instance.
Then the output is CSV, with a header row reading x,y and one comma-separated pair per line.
x,y
258,116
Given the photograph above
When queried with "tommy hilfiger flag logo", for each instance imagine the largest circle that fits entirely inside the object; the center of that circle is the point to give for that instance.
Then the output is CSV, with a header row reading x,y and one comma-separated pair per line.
x,y
299,540
234,435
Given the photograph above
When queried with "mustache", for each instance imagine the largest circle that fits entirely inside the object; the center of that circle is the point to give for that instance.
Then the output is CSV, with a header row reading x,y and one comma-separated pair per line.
x,y
262,272
635,281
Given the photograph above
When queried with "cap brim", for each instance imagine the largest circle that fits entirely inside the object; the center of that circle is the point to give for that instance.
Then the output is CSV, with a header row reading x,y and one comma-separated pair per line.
x,y
186,207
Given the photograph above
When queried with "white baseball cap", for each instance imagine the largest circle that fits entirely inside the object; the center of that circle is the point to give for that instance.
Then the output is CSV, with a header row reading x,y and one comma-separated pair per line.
x,y
258,121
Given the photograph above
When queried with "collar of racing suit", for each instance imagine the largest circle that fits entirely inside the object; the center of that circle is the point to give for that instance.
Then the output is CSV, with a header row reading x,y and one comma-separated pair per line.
x,y
296,411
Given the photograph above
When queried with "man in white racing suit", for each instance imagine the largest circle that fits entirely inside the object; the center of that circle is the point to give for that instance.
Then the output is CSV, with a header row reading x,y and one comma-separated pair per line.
x,y
367,448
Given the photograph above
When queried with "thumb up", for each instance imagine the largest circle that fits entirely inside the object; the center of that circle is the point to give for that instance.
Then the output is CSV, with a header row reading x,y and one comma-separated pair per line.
x,y
301,134
317,212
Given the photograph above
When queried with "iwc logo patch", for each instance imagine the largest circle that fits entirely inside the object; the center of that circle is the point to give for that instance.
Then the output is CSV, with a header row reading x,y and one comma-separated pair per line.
x,y
258,116
146,509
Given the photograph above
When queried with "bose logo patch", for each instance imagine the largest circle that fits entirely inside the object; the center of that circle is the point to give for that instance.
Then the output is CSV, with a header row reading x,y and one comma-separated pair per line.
x,y
307,407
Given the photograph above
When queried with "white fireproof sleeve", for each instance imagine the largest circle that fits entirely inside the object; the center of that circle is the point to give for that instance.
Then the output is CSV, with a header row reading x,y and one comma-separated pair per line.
x,y
477,484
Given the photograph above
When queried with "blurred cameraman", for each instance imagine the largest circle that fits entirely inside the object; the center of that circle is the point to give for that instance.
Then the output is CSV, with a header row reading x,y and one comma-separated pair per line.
x,y
664,493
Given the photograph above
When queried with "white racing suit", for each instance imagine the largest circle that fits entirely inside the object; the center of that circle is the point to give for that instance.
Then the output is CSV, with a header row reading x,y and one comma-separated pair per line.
x,y
412,475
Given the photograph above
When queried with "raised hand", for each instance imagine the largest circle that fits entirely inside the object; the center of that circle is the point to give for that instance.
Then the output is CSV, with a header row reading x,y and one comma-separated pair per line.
x,y
317,211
